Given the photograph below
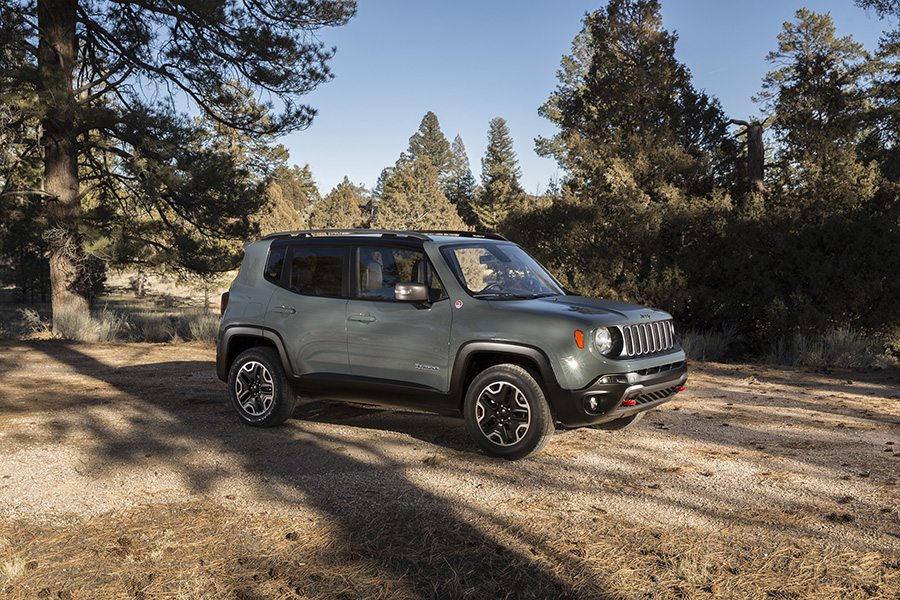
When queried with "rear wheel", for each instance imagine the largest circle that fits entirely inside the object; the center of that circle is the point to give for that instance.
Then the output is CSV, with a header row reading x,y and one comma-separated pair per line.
x,y
260,391
506,412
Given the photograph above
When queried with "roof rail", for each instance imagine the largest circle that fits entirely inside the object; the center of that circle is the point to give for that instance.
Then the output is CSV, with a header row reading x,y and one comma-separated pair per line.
x,y
325,232
471,234
417,235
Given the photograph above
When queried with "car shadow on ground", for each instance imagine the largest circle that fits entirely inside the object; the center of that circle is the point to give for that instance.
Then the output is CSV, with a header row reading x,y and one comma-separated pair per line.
x,y
442,431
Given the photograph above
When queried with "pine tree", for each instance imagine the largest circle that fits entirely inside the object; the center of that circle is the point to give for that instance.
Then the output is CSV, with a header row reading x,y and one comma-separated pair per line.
x,y
634,111
429,142
298,186
826,191
95,66
886,111
341,208
501,192
883,142
645,156
277,213
460,189
412,199
819,101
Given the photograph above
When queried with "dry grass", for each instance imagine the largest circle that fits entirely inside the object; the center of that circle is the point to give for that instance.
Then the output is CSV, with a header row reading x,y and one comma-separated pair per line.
x,y
707,345
342,502
128,321
207,550
836,347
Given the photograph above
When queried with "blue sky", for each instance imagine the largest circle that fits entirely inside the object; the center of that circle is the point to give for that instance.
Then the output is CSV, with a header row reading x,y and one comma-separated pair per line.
x,y
470,60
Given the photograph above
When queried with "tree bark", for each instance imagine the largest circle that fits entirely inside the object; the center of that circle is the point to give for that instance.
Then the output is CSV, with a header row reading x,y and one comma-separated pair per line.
x,y
756,154
57,49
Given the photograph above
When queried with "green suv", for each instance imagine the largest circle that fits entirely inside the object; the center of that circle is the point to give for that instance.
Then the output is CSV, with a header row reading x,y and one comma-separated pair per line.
x,y
457,323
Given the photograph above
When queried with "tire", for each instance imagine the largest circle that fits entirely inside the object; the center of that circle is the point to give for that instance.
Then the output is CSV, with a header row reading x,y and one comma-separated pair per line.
x,y
259,388
619,424
518,397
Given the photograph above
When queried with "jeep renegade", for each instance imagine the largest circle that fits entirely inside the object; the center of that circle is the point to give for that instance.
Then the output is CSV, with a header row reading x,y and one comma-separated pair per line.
x,y
458,323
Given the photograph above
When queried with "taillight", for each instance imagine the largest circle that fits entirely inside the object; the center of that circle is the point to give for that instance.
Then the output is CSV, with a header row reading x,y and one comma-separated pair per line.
x,y
224,303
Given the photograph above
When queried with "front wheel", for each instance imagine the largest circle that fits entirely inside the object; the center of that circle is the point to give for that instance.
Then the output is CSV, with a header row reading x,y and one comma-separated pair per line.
x,y
260,391
506,412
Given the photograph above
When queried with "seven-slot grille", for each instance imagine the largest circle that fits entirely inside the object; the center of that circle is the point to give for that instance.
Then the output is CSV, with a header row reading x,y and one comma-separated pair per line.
x,y
647,338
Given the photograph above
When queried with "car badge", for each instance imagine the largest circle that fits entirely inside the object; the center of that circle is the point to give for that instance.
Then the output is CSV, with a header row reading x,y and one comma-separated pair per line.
x,y
458,304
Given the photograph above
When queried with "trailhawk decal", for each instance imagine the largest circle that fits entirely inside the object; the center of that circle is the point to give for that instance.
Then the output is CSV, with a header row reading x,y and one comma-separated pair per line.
x,y
427,367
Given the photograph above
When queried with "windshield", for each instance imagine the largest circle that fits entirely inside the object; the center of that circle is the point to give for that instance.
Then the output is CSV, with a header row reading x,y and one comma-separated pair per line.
x,y
492,270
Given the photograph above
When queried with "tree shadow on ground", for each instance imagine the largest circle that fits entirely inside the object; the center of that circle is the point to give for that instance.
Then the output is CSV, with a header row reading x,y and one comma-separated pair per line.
x,y
383,518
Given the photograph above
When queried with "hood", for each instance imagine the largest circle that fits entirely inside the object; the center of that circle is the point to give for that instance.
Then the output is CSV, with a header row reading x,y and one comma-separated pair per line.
x,y
594,310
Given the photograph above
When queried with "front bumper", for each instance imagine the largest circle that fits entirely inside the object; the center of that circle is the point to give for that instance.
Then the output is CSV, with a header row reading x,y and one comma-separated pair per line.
x,y
638,391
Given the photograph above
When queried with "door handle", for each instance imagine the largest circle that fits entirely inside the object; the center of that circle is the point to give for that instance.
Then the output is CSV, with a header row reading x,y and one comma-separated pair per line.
x,y
286,310
361,318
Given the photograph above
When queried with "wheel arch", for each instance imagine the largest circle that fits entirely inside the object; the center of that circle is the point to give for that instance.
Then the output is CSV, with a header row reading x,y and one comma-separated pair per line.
x,y
474,357
236,339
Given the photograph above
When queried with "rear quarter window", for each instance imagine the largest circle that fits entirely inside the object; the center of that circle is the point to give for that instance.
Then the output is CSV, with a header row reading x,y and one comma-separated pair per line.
x,y
275,264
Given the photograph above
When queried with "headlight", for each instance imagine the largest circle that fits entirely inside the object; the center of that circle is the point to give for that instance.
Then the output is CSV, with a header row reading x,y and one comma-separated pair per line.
x,y
603,340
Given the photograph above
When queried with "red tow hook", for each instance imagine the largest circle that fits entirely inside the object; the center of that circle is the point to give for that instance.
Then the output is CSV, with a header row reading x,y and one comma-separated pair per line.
x,y
629,402
680,388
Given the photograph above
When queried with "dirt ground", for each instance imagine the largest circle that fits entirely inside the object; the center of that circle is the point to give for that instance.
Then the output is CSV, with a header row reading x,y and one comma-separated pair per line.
x,y
124,474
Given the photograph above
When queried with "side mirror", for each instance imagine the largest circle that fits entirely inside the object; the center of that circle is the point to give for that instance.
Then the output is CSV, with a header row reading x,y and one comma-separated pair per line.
x,y
411,292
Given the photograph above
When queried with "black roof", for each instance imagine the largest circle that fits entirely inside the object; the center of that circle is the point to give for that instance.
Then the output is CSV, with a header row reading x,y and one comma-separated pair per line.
x,y
426,235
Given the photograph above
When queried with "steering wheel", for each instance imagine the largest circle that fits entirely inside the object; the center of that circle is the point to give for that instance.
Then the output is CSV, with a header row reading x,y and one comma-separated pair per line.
x,y
489,286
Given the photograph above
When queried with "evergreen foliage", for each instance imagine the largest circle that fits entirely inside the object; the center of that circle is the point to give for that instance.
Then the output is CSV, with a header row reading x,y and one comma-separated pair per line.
x,y
126,173
95,170
460,189
645,211
277,212
412,199
298,186
501,192
341,208
429,142
817,95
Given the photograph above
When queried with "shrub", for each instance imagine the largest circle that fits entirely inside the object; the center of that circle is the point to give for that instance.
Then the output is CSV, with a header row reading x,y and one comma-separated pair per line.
x,y
105,326
111,326
841,347
708,345
202,328
32,321
153,327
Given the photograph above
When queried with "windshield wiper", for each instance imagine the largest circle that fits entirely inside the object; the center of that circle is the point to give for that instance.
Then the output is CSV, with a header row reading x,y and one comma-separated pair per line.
x,y
512,296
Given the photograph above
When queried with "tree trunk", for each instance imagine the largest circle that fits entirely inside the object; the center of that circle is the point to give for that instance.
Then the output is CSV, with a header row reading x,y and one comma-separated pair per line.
x,y
57,48
756,157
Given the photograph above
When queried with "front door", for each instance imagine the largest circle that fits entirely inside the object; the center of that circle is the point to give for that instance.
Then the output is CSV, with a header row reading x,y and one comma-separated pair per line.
x,y
399,342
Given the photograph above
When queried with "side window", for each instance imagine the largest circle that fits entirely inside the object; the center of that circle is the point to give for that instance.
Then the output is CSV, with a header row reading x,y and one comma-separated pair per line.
x,y
382,268
317,271
274,265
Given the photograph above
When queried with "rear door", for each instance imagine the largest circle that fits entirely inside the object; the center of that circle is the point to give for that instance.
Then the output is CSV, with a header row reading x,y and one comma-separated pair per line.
x,y
399,342
309,307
